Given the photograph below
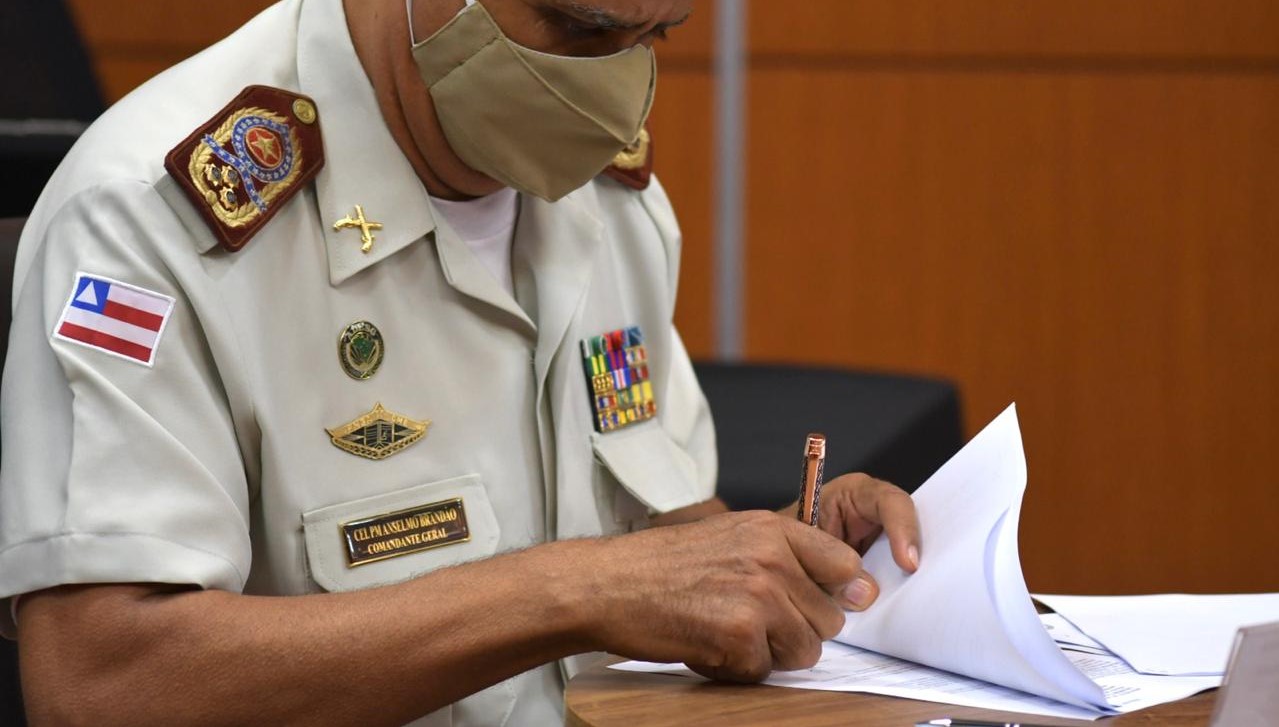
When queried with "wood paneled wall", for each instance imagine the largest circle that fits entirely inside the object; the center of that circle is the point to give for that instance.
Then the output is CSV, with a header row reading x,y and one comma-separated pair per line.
x,y
1072,205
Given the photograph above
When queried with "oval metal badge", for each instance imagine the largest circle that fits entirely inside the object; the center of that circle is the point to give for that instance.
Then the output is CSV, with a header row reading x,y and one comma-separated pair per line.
x,y
360,349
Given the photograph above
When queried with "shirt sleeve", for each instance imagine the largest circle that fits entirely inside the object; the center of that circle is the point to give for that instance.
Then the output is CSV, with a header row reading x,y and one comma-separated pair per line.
x,y
116,471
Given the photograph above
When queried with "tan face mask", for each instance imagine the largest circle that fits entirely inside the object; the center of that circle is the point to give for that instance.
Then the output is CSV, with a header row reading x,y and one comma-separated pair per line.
x,y
538,123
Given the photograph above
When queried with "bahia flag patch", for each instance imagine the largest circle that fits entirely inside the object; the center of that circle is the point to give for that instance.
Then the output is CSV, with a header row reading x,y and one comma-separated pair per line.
x,y
120,319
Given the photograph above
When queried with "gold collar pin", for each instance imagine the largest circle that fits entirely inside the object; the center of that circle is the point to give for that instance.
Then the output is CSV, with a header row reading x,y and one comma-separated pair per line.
x,y
365,226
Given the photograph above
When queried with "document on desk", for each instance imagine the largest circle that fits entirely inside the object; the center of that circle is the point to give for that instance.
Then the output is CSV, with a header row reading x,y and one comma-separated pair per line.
x,y
1170,634
964,626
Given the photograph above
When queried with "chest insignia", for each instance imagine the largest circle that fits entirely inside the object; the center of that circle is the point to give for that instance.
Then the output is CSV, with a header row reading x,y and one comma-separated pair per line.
x,y
241,167
361,350
359,222
405,531
633,166
617,381
378,434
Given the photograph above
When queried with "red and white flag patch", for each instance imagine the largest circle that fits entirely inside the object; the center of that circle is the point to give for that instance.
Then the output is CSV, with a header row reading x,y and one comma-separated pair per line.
x,y
117,318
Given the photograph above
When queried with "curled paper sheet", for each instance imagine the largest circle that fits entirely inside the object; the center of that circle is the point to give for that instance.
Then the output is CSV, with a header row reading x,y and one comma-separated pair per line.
x,y
967,609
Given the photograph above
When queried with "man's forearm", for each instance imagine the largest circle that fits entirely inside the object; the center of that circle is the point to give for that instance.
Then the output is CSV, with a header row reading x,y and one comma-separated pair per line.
x,y
690,514
138,655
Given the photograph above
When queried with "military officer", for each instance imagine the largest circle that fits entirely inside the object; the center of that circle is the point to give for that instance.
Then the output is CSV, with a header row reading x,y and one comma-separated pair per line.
x,y
334,356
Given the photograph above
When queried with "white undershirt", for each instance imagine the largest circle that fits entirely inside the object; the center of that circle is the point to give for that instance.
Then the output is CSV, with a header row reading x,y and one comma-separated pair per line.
x,y
487,226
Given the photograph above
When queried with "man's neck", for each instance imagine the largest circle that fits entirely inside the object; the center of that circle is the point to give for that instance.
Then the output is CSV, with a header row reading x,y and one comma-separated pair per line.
x,y
380,32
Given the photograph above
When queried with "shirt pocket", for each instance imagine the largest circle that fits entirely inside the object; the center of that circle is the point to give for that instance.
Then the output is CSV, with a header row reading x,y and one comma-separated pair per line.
x,y
326,536
649,466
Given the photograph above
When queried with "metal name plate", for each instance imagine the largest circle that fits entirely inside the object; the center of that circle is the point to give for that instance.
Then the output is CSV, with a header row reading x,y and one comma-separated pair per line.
x,y
405,531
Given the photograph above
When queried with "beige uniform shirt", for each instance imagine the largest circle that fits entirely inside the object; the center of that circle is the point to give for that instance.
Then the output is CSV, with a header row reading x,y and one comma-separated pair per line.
x,y
213,466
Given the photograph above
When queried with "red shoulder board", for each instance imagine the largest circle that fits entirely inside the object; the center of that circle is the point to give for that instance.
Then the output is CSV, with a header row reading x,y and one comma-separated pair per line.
x,y
633,166
248,161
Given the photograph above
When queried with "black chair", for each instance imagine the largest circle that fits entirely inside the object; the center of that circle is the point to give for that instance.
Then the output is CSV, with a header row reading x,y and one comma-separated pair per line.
x,y
897,428
50,96
11,712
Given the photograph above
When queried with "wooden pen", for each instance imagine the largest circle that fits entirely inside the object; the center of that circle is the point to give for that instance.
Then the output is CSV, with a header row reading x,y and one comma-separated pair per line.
x,y
810,492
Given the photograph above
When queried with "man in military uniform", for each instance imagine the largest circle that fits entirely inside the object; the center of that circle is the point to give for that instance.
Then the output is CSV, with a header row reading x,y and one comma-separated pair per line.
x,y
207,514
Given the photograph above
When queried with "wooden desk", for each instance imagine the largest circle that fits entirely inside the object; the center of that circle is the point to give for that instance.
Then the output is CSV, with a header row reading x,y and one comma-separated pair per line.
x,y
603,697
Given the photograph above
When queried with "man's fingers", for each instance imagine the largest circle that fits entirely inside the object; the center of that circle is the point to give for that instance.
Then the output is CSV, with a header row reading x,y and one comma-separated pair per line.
x,y
792,641
890,506
824,558
747,650
860,593
823,611
833,564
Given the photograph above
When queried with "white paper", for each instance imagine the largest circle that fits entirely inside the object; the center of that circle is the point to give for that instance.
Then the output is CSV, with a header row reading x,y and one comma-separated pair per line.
x,y
1069,637
1128,691
846,668
966,610
849,669
963,629
1168,634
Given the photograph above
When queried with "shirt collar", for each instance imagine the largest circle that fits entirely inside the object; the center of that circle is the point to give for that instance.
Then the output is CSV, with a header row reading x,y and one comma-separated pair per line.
x,y
364,164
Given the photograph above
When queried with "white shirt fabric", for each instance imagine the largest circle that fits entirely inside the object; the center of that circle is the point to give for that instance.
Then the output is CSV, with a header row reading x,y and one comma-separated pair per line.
x,y
487,226
213,467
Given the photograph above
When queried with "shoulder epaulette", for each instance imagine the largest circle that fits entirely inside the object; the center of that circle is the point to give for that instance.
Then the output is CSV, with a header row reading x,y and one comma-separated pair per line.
x,y
633,166
241,167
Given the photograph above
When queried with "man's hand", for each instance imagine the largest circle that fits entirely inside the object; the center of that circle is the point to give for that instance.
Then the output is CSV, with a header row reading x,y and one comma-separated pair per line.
x,y
733,596
856,508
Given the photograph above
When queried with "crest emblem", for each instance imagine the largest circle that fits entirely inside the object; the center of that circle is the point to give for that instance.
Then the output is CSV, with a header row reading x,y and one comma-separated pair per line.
x,y
245,164
617,382
239,168
361,350
378,434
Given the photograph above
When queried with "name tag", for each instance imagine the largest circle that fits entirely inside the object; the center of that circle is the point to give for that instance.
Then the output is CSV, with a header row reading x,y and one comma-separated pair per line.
x,y
405,531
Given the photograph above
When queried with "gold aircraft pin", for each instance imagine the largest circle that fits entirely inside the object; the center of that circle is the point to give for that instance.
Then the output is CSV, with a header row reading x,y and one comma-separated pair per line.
x,y
378,434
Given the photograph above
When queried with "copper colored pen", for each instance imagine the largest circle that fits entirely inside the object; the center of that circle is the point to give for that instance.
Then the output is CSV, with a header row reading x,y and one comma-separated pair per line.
x,y
810,493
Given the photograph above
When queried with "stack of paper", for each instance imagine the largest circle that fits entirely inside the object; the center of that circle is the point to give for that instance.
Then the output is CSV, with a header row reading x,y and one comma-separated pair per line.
x,y
1172,634
963,629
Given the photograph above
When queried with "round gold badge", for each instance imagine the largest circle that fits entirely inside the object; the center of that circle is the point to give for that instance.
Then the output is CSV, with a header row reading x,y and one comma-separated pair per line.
x,y
305,111
360,349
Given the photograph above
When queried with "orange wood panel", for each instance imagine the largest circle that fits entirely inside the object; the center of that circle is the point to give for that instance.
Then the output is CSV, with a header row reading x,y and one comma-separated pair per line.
x,y
682,124
692,44
1099,247
1145,30
682,128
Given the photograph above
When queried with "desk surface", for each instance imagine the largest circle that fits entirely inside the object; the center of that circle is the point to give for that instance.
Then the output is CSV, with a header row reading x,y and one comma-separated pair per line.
x,y
603,697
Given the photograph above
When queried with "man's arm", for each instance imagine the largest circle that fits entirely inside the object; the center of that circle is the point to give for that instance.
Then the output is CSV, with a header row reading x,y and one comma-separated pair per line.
x,y
734,596
690,514
141,654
